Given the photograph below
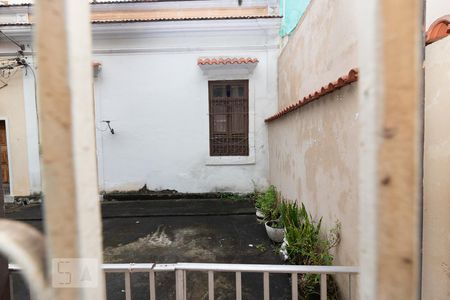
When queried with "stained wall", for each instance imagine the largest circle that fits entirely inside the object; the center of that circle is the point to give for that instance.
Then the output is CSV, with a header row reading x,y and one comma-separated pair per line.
x,y
436,206
313,151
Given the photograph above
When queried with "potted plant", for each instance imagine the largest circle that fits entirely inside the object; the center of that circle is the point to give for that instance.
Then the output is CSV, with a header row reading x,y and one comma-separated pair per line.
x,y
290,217
275,230
258,204
306,245
270,208
265,202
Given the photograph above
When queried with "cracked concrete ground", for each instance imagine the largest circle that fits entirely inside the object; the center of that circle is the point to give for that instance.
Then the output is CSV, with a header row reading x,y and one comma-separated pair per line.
x,y
170,231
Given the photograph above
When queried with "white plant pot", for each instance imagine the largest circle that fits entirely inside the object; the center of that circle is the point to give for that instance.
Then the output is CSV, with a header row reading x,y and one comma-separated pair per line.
x,y
259,216
283,251
275,234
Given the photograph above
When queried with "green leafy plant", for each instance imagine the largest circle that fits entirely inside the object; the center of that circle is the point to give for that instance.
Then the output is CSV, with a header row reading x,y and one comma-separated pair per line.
x,y
267,203
290,214
307,246
261,247
234,197
275,224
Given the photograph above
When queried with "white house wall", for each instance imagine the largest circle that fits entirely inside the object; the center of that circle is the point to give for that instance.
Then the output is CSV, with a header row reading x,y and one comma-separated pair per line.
x,y
32,129
156,97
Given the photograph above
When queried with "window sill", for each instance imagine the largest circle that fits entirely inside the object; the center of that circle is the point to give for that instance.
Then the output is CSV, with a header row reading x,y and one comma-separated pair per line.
x,y
230,160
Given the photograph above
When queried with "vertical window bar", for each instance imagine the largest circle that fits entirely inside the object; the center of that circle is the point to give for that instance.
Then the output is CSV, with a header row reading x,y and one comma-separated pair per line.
x,y
323,286
294,286
152,284
266,286
238,286
11,287
210,285
127,286
349,286
179,282
184,285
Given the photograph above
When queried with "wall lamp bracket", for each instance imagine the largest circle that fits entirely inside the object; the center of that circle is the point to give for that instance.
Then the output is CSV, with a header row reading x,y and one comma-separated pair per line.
x,y
109,125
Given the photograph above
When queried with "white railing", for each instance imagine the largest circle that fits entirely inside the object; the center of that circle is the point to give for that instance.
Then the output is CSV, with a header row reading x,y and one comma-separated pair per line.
x,y
180,270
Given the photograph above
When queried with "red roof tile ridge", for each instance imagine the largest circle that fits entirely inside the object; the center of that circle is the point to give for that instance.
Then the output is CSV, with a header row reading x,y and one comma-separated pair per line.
x,y
439,29
199,18
226,60
177,19
342,81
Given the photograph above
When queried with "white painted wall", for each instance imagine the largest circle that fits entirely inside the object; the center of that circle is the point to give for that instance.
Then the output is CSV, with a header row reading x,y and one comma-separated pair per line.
x,y
436,9
436,240
156,97
31,120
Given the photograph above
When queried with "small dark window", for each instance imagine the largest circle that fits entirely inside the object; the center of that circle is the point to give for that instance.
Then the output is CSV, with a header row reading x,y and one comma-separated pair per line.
x,y
228,118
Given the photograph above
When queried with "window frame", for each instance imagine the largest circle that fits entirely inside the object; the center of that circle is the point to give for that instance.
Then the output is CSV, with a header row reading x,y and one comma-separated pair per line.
x,y
232,150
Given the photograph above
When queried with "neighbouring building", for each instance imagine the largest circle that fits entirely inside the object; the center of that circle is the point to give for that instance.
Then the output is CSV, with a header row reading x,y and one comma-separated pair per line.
x,y
181,91
314,138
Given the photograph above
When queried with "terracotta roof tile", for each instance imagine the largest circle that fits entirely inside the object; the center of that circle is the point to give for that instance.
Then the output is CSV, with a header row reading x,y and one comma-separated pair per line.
x,y
183,19
342,81
15,4
438,30
227,61
132,1
101,2
162,20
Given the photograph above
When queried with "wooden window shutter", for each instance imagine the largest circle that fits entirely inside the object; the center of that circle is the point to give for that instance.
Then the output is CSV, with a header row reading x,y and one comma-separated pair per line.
x,y
228,118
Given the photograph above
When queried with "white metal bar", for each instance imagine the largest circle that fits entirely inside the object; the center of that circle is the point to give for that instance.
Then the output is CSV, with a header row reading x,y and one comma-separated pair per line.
x,y
349,286
13,267
238,286
127,286
136,268
254,268
266,286
210,285
323,286
181,268
11,287
179,294
184,286
294,286
67,140
152,285
164,267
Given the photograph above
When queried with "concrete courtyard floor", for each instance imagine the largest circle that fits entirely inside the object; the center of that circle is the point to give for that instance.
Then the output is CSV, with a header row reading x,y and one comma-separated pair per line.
x,y
170,231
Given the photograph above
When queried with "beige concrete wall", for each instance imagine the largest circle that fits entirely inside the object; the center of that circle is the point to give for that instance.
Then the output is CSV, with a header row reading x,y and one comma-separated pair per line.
x,y
13,111
313,151
436,237
322,48
314,160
